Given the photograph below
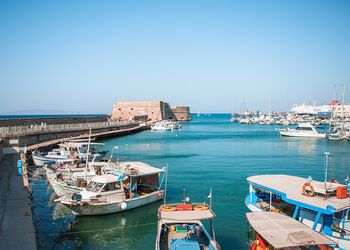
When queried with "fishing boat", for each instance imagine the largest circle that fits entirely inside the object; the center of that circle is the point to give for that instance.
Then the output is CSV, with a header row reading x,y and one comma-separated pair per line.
x,y
66,179
322,206
180,227
302,130
135,185
272,230
71,150
161,126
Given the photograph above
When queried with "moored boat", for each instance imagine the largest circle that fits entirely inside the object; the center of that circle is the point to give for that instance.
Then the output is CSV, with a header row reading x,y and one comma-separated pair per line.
x,y
322,206
180,227
302,130
121,189
70,150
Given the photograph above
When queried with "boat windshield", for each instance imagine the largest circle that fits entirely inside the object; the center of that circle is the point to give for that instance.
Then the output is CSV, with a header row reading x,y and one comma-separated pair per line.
x,y
94,186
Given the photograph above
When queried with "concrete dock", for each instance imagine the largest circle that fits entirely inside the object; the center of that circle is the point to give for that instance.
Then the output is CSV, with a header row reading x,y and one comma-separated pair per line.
x,y
17,230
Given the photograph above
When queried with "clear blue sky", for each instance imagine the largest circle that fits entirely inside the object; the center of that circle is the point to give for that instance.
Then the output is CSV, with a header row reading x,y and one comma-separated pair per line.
x,y
211,55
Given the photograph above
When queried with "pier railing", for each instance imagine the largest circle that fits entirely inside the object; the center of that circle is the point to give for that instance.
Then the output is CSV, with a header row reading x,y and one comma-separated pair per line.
x,y
45,128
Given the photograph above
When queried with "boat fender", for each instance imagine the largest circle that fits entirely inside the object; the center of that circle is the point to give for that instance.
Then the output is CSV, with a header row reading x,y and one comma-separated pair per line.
x,y
76,197
123,206
308,189
160,195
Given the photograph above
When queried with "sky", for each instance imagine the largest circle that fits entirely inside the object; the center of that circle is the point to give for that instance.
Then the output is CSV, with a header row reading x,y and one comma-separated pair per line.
x,y
214,56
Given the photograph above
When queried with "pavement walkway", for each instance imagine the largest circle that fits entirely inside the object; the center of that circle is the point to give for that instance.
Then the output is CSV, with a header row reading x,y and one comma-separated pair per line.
x,y
17,230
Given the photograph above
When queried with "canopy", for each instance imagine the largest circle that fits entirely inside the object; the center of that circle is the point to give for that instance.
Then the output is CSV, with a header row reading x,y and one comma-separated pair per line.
x,y
291,186
108,178
282,231
182,216
141,168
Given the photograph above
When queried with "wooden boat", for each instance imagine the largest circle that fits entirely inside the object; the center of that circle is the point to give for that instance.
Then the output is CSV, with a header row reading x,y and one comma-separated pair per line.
x,y
321,206
180,227
133,185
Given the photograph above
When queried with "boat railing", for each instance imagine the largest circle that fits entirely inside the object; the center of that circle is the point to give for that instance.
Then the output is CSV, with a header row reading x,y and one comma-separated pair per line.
x,y
44,128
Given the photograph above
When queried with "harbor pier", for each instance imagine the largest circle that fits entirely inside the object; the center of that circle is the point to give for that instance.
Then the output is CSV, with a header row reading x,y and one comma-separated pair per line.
x,y
34,136
17,229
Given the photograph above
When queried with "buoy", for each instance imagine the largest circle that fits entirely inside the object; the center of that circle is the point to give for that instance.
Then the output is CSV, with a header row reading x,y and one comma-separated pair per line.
x,y
123,205
159,195
308,189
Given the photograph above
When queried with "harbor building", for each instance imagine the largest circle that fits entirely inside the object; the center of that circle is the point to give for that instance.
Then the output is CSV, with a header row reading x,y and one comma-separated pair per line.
x,y
149,110
334,109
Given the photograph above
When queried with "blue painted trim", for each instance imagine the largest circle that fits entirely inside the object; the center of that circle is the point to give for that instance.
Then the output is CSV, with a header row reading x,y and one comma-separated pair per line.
x,y
296,212
318,216
329,209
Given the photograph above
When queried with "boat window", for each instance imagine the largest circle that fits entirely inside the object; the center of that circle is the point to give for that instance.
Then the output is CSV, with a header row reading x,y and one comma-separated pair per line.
x,y
303,128
111,187
94,186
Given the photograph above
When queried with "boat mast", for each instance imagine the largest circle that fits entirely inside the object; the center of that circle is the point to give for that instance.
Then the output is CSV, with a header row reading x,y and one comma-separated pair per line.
x,y
166,183
87,154
326,172
342,112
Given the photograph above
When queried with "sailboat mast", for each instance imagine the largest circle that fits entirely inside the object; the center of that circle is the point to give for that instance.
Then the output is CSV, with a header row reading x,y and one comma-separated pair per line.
x,y
87,154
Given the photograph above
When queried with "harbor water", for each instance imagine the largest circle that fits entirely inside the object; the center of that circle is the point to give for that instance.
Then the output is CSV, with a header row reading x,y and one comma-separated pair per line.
x,y
208,152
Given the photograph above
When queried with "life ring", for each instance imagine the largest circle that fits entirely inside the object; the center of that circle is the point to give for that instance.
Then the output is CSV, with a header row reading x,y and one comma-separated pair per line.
x,y
334,181
168,208
201,207
308,190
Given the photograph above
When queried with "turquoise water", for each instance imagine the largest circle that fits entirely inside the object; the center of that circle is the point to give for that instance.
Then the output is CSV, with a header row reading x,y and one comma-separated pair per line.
x,y
209,152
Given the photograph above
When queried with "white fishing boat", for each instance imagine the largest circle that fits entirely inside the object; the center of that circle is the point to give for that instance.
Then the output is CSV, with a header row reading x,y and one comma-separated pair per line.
x,y
172,124
161,126
71,150
180,227
302,130
135,185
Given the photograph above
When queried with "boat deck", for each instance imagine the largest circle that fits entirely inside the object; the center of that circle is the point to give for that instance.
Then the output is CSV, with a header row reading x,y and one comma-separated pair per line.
x,y
291,186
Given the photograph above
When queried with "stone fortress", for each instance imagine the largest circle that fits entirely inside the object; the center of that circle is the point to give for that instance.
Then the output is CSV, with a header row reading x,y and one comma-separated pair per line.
x,y
149,111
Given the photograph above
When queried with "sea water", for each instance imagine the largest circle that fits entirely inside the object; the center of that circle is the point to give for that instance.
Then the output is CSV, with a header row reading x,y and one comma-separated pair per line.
x,y
208,152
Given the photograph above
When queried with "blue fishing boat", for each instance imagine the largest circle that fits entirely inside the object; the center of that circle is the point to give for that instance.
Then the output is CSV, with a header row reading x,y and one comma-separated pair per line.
x,y
322,206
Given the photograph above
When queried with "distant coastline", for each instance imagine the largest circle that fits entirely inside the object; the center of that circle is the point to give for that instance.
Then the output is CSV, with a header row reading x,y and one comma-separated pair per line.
x,y
48,116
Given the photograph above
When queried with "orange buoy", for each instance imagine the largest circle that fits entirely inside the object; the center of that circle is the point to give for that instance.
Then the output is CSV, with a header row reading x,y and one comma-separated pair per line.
x,y
308,189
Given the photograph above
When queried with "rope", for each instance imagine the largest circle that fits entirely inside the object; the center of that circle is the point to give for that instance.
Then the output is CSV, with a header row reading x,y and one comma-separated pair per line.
x,y
109,229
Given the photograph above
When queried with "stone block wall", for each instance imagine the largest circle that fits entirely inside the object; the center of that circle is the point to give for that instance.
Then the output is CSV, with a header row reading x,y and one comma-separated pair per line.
x,y
131,110
182,113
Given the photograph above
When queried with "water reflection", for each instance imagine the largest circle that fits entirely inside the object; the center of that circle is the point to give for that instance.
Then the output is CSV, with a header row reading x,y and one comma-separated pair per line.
x,y
119,231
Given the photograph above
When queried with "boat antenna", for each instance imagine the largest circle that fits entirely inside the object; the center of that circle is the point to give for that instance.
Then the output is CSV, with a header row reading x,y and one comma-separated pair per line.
x,y
325,171
87,154
166,182
210,197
